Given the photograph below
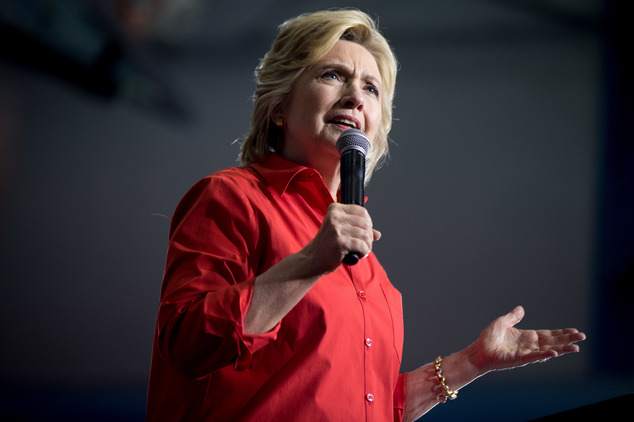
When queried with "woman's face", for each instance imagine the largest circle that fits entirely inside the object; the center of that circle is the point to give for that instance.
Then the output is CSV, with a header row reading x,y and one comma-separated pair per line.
x,y
339,92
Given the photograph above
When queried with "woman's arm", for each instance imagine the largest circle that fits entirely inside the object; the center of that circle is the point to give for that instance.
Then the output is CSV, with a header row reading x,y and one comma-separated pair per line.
x,y
499,346
422,390
276,291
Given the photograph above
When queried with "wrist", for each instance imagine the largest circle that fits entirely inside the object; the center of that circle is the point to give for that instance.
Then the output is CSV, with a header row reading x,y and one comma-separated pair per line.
x,y
462,367
446,393
308,265
474,361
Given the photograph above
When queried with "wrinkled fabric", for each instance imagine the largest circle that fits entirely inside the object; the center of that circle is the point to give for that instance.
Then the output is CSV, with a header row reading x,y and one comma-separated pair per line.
x,y
334,357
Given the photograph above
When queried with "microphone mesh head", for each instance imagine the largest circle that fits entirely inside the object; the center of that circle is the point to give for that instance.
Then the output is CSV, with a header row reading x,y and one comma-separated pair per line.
x,y
353,139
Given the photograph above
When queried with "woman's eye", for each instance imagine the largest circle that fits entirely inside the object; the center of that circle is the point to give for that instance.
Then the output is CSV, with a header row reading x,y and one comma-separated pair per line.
x,y
330,75
373,89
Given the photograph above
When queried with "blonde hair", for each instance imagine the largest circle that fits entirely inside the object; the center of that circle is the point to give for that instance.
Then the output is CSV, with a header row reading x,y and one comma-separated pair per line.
x,y
301,42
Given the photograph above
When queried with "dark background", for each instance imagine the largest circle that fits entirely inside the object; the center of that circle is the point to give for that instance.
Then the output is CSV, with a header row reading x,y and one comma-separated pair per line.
x,y
510,182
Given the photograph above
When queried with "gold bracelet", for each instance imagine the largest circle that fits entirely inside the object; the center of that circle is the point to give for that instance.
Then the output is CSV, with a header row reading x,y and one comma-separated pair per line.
x,y
446,391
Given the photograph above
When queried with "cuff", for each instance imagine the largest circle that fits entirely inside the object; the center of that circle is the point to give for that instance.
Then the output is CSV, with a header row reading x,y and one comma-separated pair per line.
x,y
399,397
248,344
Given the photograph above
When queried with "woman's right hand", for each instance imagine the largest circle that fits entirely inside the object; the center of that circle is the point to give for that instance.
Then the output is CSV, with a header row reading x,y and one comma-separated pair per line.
x,y
346,228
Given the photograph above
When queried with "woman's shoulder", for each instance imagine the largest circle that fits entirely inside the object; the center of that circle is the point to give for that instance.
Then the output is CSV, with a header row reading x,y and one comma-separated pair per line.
x,y
236,174
222,182
227,189
240,180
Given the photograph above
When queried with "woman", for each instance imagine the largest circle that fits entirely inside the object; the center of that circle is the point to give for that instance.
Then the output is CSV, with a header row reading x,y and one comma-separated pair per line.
x,y
259,319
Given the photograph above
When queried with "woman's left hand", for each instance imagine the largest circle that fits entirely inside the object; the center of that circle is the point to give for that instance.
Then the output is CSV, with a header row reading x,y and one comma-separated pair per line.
x,y
499,346
502,346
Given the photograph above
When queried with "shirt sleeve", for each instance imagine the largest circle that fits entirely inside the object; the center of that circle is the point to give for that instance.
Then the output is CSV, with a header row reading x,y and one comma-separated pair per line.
x,y
211,265
399,398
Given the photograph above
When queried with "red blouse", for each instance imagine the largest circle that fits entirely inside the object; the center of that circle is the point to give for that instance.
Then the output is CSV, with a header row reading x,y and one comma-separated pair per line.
x,y
334,357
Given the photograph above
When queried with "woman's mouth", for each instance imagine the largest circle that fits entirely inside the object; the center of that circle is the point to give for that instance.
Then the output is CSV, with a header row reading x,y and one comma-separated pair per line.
x,y
345,122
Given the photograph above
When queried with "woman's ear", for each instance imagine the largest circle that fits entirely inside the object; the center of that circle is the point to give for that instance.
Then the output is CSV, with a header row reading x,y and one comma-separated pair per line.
x,y
278,120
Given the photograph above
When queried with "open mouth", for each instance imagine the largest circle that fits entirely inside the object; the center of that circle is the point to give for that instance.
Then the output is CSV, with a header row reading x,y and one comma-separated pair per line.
x,y
345,123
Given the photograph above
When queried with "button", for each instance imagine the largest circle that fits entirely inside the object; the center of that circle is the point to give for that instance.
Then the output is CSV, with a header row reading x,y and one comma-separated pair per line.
x,y
362,294
368,342
369,397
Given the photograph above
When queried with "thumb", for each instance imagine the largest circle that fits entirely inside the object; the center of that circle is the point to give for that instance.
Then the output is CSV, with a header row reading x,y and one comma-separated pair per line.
x,y
515,316
377,234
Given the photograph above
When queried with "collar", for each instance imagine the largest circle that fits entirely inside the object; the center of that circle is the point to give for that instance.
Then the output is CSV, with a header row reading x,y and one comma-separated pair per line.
x,y
279,172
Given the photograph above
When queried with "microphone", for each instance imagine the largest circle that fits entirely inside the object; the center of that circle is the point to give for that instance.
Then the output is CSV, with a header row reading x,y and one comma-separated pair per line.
x,y
353,146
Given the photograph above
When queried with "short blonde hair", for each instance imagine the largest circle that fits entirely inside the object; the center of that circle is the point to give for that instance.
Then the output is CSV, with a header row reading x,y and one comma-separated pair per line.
x,y
301,42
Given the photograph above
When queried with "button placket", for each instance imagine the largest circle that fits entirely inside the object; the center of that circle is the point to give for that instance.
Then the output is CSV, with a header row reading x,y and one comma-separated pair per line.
x,y
362,296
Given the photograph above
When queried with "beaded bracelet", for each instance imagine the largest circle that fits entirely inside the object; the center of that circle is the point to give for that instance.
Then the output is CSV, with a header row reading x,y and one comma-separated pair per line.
x,y
447,393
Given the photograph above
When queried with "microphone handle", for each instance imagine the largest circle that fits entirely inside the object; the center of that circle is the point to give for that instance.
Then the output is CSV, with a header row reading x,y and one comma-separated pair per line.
x,y
351,258
352,178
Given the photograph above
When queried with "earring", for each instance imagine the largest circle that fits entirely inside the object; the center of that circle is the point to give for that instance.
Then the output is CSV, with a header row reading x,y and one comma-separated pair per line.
x,y
279,121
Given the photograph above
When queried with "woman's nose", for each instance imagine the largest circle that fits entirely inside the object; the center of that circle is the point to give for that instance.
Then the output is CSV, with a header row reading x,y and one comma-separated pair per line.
x,y
352,97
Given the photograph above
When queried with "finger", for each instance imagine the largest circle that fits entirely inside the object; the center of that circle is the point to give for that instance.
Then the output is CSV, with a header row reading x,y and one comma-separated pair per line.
x,y
560,332
570,336
540,356
550,346
359,240
352,209
560,338
354,229
363,242
360,226
553,351
353,215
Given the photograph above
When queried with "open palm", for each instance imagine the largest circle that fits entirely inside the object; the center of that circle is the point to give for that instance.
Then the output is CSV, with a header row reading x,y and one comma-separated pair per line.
x,y
502,346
